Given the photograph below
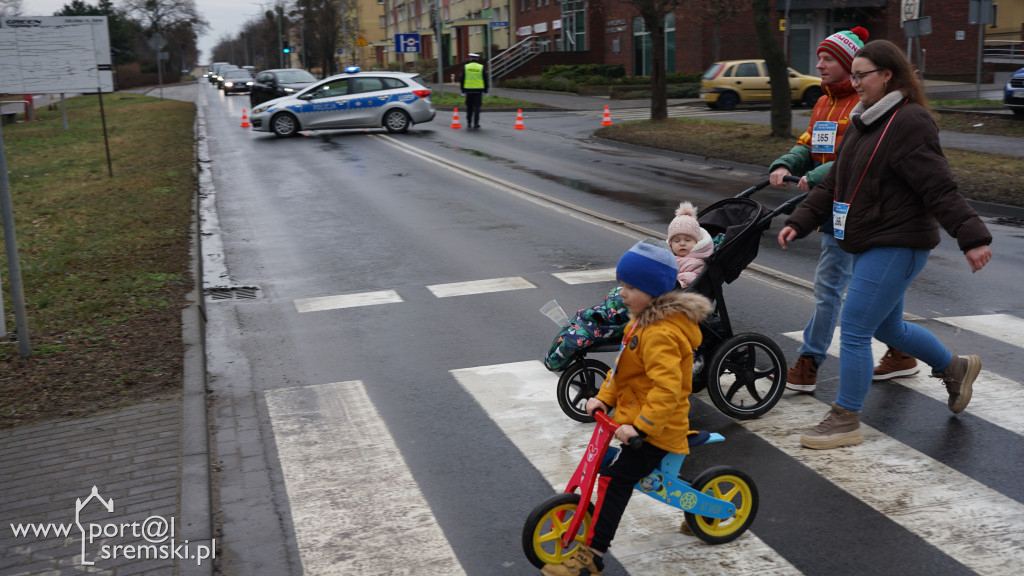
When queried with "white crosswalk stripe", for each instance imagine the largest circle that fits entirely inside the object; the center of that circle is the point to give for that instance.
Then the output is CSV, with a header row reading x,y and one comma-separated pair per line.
x,y
629,114
995,398
517,396
957,515
327,437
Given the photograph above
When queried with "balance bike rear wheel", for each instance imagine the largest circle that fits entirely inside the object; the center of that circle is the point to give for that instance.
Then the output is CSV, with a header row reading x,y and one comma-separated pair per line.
x,y
725,483
547,524
578,383
746,376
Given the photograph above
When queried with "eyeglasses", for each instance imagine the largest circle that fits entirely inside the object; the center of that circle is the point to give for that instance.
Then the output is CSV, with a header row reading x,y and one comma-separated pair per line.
x,y
857,78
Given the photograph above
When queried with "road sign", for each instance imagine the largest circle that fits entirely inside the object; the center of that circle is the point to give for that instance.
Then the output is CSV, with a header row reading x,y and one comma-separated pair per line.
x,y
157,42
361,42
407,43
498,24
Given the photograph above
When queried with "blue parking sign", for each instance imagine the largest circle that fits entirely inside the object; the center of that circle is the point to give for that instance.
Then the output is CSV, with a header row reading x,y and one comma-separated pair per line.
x,y
407,43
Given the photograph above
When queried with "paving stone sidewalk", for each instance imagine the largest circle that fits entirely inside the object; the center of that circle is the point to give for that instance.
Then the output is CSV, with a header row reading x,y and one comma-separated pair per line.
x,y
149,464
132,456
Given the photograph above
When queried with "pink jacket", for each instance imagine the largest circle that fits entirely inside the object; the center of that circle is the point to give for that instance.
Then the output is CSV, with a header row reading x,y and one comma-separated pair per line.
x,y
691,265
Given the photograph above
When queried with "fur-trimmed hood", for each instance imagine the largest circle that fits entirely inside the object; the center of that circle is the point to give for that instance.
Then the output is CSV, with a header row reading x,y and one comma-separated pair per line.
x,y
695,306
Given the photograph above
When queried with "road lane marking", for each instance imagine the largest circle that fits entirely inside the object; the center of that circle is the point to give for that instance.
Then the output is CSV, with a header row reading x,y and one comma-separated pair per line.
x,y
1009,329
346,482
520,399
322,303
995,399
586,276
479,287
960,517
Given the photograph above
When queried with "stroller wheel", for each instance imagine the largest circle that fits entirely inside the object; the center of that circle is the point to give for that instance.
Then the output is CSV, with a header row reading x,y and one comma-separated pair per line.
x,y
578,383
700,370
746,375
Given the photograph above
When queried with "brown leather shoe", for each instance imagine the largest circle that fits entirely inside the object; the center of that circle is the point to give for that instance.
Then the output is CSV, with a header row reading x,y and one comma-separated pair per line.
x,y
802,376
895,364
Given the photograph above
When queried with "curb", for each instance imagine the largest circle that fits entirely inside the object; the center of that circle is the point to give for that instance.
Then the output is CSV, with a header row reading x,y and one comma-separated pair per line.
x,y
195,497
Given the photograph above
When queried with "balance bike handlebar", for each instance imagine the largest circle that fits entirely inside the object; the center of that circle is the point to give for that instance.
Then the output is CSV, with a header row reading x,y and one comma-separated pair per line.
x,y
635,442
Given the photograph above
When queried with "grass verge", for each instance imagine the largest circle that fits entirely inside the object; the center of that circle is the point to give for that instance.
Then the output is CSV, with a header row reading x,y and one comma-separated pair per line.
x,y
984,177
453,99
105,260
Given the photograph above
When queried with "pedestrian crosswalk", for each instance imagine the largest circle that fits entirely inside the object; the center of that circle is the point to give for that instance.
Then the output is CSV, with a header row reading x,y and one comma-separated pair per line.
x,y
629,114
956,514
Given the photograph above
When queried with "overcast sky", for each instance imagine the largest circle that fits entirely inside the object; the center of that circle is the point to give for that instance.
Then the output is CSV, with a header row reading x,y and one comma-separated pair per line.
x,y
226,17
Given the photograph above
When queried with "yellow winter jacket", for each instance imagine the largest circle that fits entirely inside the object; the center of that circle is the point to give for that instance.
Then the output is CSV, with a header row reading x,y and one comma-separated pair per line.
x,y
651,384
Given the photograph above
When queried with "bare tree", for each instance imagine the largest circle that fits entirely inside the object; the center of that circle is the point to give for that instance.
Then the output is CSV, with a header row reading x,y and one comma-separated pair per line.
x,y
322,21
775,60
653,13
715,13
10,8
160,15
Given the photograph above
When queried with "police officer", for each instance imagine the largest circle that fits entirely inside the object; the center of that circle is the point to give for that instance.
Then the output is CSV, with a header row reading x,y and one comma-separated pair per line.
x,y
474,87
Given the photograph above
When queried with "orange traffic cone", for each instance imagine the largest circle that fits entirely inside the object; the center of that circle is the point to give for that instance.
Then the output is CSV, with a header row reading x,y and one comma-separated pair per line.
x,y
519,120
455,120
607,121
245,120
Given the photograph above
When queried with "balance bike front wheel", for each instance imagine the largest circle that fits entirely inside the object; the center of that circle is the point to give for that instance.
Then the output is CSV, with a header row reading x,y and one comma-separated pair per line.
x,y
546,526
725,483
747,375
577,384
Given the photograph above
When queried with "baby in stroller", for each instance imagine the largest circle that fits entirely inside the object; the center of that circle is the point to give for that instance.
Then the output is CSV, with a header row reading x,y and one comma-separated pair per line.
x,y
605,322
744,373
690,243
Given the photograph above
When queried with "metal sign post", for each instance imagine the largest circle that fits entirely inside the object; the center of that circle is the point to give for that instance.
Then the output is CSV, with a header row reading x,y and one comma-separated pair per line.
x,y
157,43
979,12
13,264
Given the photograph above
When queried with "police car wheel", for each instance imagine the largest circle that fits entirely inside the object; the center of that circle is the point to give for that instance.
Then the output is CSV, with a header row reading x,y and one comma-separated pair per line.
x,y
396,121
284,125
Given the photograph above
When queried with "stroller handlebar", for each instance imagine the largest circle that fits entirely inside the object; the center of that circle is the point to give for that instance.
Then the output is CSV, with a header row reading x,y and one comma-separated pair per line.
x,y
761,185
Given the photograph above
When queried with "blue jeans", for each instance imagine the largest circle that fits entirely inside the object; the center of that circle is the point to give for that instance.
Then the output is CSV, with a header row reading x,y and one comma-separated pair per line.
x,y
835,266
874,308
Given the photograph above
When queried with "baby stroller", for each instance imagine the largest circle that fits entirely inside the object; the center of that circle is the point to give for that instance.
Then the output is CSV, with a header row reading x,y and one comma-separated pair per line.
x,y
745,374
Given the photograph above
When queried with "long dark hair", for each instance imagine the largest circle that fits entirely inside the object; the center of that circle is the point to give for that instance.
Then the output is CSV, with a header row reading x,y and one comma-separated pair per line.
x,y
885,54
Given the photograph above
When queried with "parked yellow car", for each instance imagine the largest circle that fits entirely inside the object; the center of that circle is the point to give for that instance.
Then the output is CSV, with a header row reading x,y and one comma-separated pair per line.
x,y
730,82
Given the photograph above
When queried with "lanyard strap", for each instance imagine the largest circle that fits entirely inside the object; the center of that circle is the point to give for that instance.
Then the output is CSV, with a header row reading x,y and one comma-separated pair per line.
x,y
872,157
622,348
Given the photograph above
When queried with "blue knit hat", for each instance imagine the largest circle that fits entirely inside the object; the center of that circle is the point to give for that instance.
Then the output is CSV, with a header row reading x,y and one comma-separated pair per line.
x,y
648,266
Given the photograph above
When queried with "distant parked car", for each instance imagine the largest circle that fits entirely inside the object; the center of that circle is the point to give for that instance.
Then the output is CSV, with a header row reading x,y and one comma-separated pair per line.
x,y
1013,96
731,82
271,84
236,81
391,100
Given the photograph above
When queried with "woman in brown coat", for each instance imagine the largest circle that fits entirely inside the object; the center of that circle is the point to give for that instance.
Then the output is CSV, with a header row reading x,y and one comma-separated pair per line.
x,y
887,195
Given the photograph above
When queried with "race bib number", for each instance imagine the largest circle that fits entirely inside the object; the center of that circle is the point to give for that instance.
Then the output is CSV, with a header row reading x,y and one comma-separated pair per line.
x,y
839,211
823,137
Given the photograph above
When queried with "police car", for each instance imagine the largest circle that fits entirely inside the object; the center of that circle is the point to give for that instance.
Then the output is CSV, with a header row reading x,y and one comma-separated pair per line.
x,y
392,100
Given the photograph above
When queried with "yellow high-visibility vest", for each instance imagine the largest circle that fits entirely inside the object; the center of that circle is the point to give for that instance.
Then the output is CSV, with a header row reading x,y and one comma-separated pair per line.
x,y
474,76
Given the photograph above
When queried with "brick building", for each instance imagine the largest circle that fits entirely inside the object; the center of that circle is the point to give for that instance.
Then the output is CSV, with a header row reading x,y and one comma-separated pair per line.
x,y
611,32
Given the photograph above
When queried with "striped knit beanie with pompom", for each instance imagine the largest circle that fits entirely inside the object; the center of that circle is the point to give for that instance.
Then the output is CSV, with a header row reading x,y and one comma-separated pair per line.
x,y
843,45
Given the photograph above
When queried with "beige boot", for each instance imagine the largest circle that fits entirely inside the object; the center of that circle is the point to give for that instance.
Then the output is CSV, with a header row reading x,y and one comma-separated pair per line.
x,y
959,380
841,427
583,559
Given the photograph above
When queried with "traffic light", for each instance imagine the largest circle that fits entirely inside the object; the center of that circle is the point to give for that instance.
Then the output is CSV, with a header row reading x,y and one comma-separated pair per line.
x,y
286,50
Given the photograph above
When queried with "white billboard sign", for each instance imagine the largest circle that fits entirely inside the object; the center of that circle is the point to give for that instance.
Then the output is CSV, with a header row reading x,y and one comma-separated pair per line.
x,y
55,54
